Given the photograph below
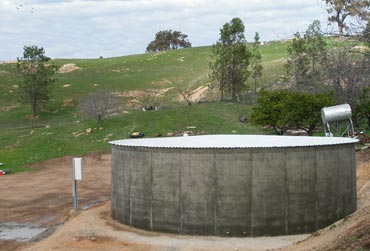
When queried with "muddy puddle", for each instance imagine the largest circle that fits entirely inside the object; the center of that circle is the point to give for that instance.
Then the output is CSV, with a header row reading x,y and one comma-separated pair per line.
x,y
95,202
19,232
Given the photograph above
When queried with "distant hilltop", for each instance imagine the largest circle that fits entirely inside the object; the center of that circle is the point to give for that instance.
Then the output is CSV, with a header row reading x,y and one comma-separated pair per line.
x,y
8,62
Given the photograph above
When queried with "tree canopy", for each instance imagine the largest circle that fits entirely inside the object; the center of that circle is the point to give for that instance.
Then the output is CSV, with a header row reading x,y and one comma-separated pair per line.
x,y
232,57
305,55
339,10
168,40
38,78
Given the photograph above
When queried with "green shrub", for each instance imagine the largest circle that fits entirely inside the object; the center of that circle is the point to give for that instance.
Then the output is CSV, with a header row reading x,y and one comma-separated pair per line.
x,y
283,110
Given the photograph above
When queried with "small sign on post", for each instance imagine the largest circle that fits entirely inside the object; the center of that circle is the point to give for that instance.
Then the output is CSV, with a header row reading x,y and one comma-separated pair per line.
x,y
77,175
77,168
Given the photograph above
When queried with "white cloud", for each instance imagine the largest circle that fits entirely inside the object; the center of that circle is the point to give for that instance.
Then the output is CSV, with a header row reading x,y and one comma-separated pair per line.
x,y
91,28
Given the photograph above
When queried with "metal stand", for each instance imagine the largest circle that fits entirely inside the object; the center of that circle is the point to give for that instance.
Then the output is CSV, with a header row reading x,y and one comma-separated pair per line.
x,y
76,175
349,130
75,195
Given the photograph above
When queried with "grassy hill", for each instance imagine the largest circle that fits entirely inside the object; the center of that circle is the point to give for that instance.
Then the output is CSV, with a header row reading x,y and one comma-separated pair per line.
x,y
60,131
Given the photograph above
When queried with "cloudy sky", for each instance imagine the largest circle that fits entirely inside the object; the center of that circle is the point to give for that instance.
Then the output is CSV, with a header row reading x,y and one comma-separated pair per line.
x,y
108,28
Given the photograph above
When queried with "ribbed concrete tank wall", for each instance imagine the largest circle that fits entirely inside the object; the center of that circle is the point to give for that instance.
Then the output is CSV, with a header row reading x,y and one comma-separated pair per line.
x,y
233,185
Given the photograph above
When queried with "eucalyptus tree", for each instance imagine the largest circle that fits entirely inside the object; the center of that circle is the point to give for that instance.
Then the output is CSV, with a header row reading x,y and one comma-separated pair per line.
x,y
232,58
297,64
340,10
168,40
316,46
306,56
37,72
256,61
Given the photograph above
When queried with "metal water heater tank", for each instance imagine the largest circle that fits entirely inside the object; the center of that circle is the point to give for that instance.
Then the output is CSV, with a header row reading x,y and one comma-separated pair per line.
x,y
336,113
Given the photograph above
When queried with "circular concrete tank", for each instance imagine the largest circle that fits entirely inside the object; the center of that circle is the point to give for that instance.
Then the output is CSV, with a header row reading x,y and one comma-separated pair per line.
x,y
233,185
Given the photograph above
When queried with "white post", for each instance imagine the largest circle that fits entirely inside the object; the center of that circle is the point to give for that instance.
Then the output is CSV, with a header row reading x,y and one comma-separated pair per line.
x,y
77,175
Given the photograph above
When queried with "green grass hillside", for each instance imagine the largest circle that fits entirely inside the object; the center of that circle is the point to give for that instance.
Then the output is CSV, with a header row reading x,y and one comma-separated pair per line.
x,y
59,130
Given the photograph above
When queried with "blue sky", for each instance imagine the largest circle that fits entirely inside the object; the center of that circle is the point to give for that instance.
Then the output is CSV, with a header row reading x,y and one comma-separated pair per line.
x,y
108,28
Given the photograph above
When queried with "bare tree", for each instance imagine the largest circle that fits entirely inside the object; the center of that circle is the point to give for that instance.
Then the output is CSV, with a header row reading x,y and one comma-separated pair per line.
x,y
348,74
99,105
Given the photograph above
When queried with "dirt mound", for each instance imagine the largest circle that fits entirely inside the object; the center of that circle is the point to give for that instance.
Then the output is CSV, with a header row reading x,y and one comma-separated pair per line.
x,y
137,99
194,95
199,93
94,230
143,94
3,73
7,108
68,68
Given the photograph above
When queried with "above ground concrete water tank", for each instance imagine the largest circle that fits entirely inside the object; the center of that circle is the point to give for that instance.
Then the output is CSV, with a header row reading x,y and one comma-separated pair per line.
x,y
233,185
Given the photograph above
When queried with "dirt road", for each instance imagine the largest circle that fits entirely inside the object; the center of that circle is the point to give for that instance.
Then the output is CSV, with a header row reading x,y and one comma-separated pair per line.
x,y
44,198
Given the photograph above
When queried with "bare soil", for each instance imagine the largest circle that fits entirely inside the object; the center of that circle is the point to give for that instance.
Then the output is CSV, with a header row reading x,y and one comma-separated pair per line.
x,y
43,197
194,95
68,68
143,94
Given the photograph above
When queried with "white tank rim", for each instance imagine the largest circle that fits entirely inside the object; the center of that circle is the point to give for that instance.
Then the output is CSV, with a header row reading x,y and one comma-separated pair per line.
x,y
233,141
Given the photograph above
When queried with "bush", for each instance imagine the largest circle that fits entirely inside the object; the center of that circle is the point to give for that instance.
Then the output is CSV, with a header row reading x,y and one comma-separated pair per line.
x,y
283,110
362,108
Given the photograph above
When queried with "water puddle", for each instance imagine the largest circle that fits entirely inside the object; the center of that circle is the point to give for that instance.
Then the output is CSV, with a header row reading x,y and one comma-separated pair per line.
x,y
19,232
95,202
